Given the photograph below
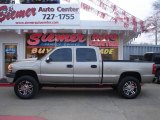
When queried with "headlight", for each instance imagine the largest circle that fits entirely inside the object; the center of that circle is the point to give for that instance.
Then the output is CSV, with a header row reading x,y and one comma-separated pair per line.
x,y
10,68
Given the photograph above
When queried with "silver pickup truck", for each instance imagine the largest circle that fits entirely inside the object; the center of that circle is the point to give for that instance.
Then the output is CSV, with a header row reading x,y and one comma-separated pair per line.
x,y
78,67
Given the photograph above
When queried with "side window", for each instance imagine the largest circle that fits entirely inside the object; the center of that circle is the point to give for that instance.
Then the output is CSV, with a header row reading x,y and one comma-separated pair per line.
x,y
148,57
86,55
157,59
61,55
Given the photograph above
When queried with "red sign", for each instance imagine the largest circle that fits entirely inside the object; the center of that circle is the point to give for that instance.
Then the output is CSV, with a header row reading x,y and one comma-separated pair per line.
x,y
7,13
71,39
104,40
49,39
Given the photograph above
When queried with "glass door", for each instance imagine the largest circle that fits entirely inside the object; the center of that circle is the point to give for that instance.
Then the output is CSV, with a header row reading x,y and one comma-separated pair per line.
x,y
10,54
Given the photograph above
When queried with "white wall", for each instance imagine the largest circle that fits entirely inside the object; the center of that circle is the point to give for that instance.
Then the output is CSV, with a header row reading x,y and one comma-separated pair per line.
x,y
11,38
120,49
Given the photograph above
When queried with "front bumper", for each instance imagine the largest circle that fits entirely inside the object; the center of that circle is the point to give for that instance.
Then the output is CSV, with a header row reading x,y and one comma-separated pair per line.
x,y
10,77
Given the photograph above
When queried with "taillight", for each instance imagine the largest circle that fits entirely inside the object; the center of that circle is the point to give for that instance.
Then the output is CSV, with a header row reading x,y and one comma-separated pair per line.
x,y
154,69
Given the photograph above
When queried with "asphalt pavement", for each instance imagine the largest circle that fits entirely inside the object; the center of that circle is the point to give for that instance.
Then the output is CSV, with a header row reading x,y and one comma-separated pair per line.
x,y
81,104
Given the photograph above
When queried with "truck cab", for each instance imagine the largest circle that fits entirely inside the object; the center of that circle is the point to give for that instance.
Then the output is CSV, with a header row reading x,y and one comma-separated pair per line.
x,y
78,65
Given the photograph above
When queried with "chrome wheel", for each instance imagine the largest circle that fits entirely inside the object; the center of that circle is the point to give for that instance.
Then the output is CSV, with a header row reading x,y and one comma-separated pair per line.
x,y
130,88
25,88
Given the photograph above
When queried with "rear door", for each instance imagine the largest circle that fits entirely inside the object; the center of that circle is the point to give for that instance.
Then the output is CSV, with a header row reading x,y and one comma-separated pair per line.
x,y
59,69
86,66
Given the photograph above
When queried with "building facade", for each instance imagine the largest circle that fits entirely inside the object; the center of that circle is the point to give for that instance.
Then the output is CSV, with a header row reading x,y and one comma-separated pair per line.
x,y
28,32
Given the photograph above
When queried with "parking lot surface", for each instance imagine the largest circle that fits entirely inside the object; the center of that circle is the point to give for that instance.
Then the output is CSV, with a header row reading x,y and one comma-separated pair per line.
x,y
82,104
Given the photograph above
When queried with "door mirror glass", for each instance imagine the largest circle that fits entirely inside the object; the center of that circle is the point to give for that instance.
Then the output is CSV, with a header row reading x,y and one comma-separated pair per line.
x,y
48,60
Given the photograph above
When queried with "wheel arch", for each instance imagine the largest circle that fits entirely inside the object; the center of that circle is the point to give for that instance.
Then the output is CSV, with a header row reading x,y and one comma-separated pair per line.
x,y
31,73
131,74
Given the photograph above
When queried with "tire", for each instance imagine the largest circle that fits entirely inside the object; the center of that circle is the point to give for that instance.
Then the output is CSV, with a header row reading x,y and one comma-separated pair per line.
x,y
26,87
129,87
114,87
40,87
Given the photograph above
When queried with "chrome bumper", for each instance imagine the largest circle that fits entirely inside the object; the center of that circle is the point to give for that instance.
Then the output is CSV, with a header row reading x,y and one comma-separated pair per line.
x,y
147,79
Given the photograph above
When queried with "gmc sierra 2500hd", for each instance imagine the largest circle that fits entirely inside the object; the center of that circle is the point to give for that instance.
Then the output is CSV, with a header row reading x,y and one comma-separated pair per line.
x,y
78,67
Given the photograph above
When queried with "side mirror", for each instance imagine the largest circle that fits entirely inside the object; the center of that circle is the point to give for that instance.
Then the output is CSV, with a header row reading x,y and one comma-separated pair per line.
x,y
48,60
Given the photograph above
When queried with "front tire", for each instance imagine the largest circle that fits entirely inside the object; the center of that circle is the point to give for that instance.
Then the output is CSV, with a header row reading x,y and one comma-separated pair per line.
x,y
129,87
26,87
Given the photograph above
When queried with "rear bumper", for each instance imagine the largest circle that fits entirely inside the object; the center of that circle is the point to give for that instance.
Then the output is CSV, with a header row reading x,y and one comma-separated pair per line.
x,y
147,79
10,77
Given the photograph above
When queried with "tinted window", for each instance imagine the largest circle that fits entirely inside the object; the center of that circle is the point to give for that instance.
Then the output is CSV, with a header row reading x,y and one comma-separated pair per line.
x,y
148,56
86,55
157,59
62,55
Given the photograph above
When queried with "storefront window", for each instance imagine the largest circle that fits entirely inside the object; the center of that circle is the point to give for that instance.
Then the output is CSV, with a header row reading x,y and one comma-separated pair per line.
x,y
108,44
109,53
39,44
10,55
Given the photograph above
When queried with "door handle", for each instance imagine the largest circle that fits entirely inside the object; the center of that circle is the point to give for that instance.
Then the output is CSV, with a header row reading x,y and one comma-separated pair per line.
x,y
69,66
93,66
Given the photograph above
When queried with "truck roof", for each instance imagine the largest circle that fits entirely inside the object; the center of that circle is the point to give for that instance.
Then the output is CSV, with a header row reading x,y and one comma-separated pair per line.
x,y
76,47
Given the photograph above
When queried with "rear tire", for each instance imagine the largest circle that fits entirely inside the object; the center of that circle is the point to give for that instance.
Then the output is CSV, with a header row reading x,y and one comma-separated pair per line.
x,y
114,87
129,87
26,87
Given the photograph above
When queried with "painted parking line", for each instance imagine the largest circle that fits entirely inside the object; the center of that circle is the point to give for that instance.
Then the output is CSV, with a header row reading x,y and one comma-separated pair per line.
x,y
20,118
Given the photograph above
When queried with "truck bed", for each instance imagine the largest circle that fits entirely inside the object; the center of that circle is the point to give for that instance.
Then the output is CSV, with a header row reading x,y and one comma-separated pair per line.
x,y
113,69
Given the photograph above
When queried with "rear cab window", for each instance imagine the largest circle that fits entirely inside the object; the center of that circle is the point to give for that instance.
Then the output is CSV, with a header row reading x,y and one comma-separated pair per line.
x,y
86,55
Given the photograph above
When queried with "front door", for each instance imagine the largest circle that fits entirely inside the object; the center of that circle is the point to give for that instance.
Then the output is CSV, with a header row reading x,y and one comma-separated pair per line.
x,y
10,55
59,68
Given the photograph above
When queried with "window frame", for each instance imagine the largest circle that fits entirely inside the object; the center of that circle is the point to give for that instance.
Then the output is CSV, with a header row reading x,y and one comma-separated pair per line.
x,y
70,59
84,56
